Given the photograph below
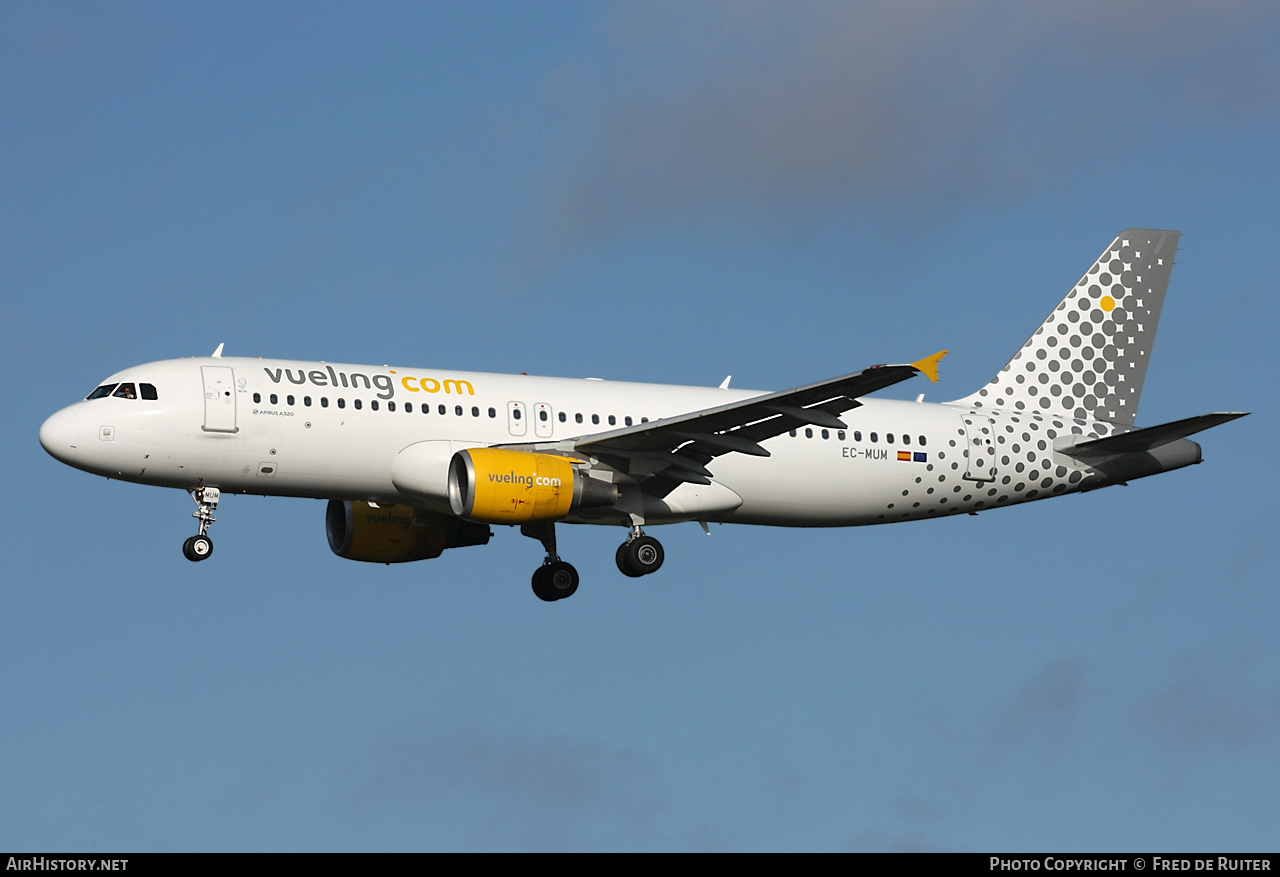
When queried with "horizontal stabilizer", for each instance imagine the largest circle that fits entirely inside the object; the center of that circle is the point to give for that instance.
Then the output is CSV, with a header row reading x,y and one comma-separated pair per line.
x,y
1150,437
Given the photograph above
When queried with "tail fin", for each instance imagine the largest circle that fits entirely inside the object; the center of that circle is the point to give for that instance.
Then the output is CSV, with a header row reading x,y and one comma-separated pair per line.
x,y
1088,359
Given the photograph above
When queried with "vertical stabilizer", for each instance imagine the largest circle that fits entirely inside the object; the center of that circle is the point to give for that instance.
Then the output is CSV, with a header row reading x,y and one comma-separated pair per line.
x,y
1089,358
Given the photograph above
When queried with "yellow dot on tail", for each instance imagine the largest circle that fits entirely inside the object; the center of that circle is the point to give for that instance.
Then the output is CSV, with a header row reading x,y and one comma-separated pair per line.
x,y
1108,303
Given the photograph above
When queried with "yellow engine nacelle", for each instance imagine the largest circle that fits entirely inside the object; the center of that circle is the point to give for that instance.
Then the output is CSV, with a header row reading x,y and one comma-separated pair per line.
x,y
395,533
511,487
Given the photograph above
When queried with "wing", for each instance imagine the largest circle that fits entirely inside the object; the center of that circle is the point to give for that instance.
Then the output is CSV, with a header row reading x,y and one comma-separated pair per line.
x,y
677,449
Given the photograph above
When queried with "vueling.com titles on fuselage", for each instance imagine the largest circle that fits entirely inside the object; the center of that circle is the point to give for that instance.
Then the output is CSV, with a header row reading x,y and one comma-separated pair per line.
x,y
385,384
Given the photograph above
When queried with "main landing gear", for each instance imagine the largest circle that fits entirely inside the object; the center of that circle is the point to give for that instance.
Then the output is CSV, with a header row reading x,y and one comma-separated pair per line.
x,y
200,546
639,555
555,579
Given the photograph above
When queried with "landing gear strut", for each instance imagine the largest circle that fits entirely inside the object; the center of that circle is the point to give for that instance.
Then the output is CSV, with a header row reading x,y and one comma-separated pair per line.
x,y
555,579
640,554
200,546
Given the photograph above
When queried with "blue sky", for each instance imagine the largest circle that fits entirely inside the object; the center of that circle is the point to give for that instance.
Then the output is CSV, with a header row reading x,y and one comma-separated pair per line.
x,y
662,192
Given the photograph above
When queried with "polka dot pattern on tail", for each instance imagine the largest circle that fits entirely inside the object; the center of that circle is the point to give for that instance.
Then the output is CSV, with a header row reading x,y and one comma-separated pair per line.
x,y
1088,360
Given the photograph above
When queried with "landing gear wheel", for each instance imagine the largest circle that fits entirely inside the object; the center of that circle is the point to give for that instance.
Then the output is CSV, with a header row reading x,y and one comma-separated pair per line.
x,y
562,579
624,565
555,581
640,556
540,589
197,548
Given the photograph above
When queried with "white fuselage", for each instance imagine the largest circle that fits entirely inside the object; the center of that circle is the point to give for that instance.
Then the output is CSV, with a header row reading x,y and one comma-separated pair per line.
x,y
281,428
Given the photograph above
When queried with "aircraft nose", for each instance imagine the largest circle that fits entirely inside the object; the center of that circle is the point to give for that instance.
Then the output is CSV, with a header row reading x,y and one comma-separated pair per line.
x,y
60,435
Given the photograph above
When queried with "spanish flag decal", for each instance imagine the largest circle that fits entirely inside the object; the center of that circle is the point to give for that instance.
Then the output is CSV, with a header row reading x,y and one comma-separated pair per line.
x,y
904,456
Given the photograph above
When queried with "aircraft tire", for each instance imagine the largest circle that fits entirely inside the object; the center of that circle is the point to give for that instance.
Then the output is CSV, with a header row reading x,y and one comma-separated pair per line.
x,y
540,589
643,555
197,548
562,579
624,564
555,581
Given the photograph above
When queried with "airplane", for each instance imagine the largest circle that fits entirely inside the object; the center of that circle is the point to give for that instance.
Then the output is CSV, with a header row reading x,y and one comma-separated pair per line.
x,y
414,461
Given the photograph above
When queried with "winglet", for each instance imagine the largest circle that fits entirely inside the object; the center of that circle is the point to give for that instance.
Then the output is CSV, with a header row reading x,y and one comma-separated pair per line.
x,y
929,365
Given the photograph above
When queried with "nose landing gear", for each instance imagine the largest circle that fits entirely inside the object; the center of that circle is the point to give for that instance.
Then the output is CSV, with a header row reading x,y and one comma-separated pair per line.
x,y
200,546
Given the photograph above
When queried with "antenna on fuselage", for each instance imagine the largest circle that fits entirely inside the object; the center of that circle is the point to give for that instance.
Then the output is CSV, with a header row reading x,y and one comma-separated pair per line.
x,y
217,354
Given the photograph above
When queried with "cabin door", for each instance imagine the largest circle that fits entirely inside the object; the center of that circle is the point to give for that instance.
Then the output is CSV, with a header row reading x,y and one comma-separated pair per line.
x,y
980,450
219,398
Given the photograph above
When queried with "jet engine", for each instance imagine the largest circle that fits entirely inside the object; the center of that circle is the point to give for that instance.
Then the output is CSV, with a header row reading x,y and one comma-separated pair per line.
x,y
395,533
511,487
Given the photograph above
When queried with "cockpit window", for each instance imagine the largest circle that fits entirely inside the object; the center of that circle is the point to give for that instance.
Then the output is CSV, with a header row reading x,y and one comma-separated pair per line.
x,y
101,392
125,391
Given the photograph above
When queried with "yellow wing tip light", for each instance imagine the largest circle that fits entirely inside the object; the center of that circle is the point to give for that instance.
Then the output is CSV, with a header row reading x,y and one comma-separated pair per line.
x,y
929,365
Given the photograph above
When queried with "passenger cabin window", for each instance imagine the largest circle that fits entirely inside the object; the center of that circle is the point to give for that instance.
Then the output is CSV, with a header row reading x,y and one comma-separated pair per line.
x,y
274,398
357,403
257,397
373,405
